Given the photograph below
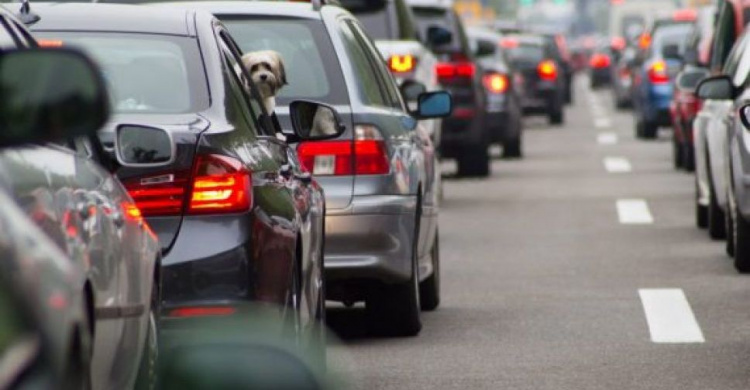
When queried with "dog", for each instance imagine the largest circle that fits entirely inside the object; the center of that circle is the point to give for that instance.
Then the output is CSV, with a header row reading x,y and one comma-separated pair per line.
x,y
266,69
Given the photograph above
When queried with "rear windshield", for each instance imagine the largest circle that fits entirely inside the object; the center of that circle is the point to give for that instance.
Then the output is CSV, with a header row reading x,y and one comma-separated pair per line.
x,y
427,17
672,34
525,53
311,65
144,73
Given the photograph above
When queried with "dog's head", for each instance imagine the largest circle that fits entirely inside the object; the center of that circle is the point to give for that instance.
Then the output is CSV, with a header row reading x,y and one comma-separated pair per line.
x,y
266,69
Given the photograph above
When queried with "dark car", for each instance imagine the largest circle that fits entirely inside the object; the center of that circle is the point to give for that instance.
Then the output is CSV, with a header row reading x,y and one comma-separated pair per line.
x,y
465,136
600,66
621,78
543,90
380,175
558,49
500,80
238,217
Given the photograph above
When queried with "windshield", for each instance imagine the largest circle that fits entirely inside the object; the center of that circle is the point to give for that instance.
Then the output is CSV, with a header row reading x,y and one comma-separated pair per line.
x,y
672,34
311,65
144,73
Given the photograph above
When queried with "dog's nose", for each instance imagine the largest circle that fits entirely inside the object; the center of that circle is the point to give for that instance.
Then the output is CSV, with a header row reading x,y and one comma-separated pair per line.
x,y
264,77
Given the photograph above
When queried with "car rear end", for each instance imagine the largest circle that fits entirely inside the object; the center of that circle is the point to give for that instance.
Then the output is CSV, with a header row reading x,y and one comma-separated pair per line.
x,y
541,89
600,67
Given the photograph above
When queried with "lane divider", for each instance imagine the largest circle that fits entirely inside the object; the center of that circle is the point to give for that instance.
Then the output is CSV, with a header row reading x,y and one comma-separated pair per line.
x,y
602,123
606,139
669,316
617,165
634,212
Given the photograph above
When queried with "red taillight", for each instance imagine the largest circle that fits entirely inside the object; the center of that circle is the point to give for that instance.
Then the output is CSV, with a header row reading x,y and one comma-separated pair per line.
x,y
202,311
366,155
159,195
220,185
495,82
547,70
657,72
402,63
509,43
448,70
599,61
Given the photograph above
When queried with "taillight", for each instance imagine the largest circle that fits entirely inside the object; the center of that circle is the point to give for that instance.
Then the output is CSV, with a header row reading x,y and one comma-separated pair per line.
x,y
402,63
367,155
657,72
202,311
495,82
547,70
159,195
599,61
449,70
644,41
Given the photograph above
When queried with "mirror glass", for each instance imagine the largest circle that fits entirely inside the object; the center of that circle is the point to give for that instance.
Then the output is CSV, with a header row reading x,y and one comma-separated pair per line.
x,y
437,36
411,90
717,88
314,121
141,145
49,94
435,104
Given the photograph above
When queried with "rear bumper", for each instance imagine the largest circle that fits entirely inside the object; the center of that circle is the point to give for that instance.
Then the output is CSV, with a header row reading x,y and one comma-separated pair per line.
x,y
458,133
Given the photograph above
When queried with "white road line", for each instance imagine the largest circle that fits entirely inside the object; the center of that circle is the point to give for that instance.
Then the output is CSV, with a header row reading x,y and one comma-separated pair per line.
x,y
669,316
602,122
634,212
606,138
617,165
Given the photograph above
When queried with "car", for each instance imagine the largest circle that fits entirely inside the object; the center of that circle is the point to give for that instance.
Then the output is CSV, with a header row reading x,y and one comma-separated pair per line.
x,y
238,217
380,176
621,78
710,132
501,82
655,68
600,66
393,27
465,134
543,90
558,49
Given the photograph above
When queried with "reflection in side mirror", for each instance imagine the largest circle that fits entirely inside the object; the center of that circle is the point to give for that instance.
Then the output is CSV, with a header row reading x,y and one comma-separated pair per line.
x,y
745,116
688,79
48,95
314,121
141,146
434,105
716,88
438,36
411,90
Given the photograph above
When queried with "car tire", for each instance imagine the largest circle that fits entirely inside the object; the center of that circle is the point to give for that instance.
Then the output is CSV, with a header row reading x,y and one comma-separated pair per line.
x,y
716,219
701,211
677,154
688,157
741,242
557,115
318,341
512,148
148,368
650,129
429,289
474,162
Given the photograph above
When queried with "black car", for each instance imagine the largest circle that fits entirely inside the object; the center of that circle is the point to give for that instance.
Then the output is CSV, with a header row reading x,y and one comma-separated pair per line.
x,y
543,79
237,216
500,79
465,135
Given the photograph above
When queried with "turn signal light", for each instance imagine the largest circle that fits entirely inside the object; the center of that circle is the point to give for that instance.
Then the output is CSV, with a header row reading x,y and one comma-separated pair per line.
x,y
547,70
495,82
402,63
657,72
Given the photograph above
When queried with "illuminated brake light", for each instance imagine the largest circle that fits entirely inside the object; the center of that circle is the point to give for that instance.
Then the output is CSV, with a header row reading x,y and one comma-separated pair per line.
x,y
685,15
366,155
495,82
221,184
599,61
159,195
547,70
202,311
402,63
657,72
448,70
509,43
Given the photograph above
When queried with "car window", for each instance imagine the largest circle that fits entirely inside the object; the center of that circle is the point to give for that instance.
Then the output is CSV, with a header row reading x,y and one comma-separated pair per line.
x,y
427,17
738,63
724,37
369,89
310,61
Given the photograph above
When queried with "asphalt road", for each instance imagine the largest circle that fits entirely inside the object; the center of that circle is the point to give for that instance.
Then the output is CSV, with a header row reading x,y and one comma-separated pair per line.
x,y
543,285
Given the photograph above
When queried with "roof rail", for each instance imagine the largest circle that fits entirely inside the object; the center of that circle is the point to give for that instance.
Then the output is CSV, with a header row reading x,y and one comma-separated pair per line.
x,y
318,4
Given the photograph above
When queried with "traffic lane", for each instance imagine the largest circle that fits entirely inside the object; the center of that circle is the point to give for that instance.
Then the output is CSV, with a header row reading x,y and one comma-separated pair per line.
x,y
540,281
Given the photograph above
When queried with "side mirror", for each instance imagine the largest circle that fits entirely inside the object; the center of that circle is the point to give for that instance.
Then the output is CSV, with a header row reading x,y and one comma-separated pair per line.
x,y
143,146
437,36
485,48
313,121
433,105
48,95
745,116
671,52
411,89
716,88
688,79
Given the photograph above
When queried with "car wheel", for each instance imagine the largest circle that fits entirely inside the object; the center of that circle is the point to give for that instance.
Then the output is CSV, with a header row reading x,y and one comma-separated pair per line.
x,y
701,211
557,115
650,129
474,162
677,154
730,230
741,242
393,309
638,128
688,155
512,148
147,369
429,289
716,219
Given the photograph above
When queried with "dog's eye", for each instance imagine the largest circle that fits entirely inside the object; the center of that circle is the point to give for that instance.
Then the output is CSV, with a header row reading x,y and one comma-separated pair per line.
x,y
254,68
266,65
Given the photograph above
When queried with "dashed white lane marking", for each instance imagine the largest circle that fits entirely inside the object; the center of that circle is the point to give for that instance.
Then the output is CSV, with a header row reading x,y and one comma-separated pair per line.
x,y
669,316
602,122
606,138
634,212
617,165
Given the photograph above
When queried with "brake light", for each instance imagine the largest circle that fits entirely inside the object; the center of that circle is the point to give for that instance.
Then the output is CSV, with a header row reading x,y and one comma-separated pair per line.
x,y
495,82
367,155
159,195
402,63
448,70
509,43
599,61
202,311
547,70
618,43
657,72
685,15
644,42
221,184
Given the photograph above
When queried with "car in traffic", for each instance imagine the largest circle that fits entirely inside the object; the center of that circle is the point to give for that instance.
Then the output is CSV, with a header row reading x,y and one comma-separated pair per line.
x,y
600,66
543,87
501,82
621,79
239,218
379,176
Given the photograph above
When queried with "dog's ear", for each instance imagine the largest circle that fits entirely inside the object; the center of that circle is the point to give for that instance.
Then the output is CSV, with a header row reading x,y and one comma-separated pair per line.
x,y
282,71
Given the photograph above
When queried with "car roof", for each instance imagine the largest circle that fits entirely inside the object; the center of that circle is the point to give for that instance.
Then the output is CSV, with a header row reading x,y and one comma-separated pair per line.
x,y
269,8
111,18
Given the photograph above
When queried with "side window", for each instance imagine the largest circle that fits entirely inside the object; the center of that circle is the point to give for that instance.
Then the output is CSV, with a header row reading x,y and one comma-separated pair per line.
x,y
369,90
8,40
724,37
385,77
733,59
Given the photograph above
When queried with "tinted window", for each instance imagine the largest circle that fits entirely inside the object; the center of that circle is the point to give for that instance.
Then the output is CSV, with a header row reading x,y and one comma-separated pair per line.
x,y
724,37
145,73
310,62
427,17
525,52
672,34
369,89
